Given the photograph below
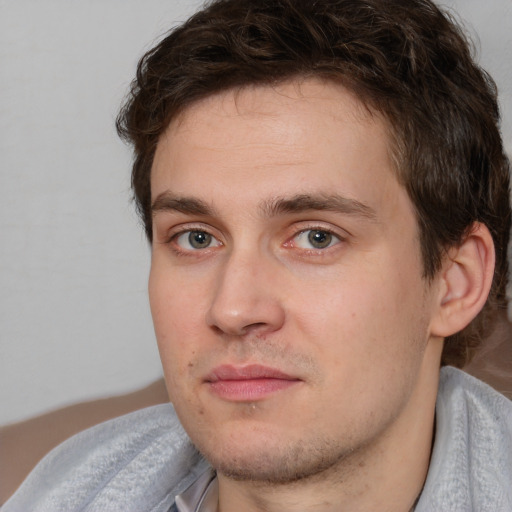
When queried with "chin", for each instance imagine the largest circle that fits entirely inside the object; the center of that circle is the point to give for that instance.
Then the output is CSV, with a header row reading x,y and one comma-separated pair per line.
x,y
271,460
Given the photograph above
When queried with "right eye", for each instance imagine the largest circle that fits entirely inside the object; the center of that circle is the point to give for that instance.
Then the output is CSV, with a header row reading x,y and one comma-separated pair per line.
x,y
195,240
316,239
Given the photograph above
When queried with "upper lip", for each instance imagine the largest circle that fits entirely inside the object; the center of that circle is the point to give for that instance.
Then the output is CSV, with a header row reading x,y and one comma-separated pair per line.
x,y
249,372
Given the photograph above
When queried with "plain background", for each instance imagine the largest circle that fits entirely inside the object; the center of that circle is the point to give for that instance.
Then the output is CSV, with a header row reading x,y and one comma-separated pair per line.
x,y
74,319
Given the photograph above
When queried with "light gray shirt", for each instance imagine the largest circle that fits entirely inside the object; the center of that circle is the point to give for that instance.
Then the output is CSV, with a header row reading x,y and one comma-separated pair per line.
x,y
201,496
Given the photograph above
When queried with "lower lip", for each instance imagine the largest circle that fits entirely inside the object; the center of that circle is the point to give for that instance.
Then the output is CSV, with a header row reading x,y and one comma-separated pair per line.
x,y
249,390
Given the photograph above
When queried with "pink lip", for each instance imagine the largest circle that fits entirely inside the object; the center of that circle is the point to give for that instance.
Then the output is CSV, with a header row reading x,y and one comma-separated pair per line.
x,y
248,383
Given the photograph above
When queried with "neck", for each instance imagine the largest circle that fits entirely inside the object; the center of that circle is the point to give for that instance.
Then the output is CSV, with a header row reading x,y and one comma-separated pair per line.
x,y
386,475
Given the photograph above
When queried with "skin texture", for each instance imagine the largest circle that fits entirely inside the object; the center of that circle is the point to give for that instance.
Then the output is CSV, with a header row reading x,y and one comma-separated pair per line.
x,y
351,324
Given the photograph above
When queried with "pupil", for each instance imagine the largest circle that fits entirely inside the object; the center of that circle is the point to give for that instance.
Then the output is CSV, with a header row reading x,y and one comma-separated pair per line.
x,y
320,239
199,239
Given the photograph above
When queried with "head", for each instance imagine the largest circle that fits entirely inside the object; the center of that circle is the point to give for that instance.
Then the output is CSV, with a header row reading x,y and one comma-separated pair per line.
x,y
325,192
417,75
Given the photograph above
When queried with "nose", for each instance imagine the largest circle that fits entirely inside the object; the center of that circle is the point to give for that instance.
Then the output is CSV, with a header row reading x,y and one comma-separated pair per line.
x,y
247,298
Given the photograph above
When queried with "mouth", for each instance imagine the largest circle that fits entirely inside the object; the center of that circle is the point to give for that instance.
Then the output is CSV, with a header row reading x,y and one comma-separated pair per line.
x,y
248,383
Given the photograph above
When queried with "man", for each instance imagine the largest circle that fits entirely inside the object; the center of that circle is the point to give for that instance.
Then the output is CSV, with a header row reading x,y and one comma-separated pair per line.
x,y
326,195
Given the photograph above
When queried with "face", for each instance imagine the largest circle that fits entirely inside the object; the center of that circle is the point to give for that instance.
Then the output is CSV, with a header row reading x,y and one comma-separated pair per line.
x,y
286,291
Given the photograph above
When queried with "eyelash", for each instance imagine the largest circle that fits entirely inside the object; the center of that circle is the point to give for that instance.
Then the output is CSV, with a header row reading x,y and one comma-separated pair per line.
x,y
291,241
172,238
333,238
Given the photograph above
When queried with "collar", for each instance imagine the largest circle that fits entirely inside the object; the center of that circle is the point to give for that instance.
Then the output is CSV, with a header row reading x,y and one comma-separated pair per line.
x,y
201,496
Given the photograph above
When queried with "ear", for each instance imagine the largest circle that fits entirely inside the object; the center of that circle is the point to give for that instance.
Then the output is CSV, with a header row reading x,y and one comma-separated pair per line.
x,y
464,282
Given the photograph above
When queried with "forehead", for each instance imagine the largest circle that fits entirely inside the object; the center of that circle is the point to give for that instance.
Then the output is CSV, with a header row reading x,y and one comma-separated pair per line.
x,y
299,138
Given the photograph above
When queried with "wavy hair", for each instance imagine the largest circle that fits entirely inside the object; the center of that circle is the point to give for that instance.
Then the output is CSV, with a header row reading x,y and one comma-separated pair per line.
x,y
405,59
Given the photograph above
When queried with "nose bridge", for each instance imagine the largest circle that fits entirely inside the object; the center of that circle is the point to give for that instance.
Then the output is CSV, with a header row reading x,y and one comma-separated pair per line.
x,y
246,296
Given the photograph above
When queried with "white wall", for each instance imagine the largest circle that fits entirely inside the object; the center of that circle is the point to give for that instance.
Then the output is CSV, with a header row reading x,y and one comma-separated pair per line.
x,y
489,23
74,320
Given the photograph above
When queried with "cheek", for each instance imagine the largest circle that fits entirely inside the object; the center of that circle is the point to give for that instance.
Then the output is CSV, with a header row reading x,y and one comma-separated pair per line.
x,y
176,320
360,316
176,304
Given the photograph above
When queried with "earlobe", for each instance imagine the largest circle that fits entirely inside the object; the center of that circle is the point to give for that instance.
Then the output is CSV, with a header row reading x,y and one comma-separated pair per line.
x,y
465,281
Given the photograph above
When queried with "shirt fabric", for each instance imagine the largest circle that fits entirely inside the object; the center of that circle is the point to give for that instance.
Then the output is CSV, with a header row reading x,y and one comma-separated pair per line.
x,y
140,462
201,496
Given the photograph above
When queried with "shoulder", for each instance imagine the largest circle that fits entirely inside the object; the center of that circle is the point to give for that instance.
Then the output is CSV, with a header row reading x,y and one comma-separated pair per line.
x,y
471,465
134,463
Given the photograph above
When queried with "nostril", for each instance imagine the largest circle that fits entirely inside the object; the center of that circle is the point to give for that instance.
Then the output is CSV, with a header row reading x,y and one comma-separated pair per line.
x,y
254,327
216,329
238,311
247,329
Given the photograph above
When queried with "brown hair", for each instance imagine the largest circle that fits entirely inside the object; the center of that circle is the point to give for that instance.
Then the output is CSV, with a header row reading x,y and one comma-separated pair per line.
x,y
403,58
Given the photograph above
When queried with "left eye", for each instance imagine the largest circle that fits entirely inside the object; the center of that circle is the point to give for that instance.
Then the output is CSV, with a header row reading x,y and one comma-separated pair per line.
x,y
194,240
315,239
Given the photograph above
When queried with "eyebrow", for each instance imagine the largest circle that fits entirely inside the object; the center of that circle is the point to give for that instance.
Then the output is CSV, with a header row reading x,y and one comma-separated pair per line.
x,y
188,205
321,202
271,208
